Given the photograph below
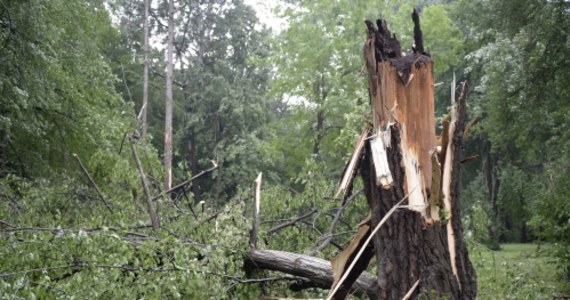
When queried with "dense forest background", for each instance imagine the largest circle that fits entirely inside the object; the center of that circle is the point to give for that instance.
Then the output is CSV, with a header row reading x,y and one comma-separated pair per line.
x,y
247,99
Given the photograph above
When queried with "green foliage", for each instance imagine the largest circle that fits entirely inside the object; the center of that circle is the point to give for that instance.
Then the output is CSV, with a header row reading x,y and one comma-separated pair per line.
x,y
476,212
319,72
516,49
66,66
57,90
42,258
280,204
222,106
442,39
552,214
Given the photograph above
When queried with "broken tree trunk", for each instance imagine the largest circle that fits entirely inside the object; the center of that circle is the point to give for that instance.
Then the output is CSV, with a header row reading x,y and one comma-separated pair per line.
x,y
419,249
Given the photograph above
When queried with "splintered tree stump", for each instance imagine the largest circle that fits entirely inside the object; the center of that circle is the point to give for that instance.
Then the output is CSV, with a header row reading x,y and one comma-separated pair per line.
x,y
423,241
411,181
419,250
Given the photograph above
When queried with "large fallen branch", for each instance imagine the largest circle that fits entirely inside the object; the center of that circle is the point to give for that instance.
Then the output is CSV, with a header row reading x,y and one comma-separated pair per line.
x,y
316,269
154,218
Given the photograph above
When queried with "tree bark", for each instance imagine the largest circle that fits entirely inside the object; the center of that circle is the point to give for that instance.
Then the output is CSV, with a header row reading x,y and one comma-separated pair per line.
x,y
320,132
144,108
169,101
322,93
493,183
154,219
193,162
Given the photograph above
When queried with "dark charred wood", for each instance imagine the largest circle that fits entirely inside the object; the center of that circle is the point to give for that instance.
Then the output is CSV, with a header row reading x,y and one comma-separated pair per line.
x,y
371,29
387,46
418,36
302,284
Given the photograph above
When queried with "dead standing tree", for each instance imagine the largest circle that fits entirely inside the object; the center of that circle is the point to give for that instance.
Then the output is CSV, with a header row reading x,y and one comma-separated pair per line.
x,y
411,182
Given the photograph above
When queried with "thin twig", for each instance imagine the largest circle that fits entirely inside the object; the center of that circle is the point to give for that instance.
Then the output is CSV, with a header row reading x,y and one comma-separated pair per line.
x,y
291,222
7,224
99,192
260,280
208,219
332,227
88,230
189,202
411,291
38,270
181,185
123,142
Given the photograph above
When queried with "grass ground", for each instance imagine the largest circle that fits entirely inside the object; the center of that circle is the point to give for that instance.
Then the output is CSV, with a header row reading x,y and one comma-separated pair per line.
x,y
517,271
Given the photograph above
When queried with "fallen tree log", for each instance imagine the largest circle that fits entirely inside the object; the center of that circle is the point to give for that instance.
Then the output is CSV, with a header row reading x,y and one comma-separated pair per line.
x,y
317,270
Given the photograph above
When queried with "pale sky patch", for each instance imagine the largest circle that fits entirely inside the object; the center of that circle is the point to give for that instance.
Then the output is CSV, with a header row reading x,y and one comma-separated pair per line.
x,y
264,10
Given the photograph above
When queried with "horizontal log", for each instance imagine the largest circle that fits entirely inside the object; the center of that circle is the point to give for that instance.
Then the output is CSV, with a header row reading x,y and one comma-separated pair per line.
x,y
316,269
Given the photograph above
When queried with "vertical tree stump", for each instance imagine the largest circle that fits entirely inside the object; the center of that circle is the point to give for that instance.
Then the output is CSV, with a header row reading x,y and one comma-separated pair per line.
x,y
423,241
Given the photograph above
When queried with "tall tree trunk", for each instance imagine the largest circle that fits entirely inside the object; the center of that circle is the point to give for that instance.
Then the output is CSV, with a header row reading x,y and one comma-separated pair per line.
x,y
419,249
194,169
493,183
169,101
320,131
322,93
144,107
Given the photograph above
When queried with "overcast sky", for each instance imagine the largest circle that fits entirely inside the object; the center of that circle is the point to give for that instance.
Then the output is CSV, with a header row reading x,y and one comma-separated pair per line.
x,y
265,15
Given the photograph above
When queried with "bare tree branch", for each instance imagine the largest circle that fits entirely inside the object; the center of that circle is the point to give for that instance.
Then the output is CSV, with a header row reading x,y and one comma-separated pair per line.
x,y
181,185
291,222
99,192
7,224
155,221
329,235
208,219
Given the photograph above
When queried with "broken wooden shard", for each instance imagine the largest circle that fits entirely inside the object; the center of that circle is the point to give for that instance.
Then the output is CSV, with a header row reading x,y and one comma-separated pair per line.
x,y
378,145
350,169
435,193
448,175
341,262
256,204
